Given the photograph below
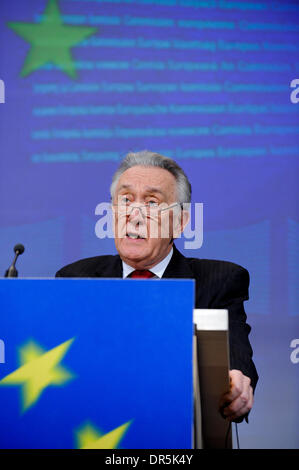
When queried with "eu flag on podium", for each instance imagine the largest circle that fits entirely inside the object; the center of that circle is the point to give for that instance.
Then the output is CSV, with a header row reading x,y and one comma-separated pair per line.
x,y
96,363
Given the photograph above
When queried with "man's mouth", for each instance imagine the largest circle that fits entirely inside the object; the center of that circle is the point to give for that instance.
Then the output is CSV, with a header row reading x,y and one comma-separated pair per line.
x,y
134,236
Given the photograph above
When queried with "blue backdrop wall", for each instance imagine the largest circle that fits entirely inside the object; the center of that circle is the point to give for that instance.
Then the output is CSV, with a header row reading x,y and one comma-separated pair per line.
x,y
207,83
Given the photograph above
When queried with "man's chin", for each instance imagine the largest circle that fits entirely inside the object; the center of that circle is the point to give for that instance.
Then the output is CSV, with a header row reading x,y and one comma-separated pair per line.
x,y
132,250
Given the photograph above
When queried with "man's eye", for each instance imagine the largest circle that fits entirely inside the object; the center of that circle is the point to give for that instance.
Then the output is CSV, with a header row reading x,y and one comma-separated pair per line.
x,y
152,203
125,200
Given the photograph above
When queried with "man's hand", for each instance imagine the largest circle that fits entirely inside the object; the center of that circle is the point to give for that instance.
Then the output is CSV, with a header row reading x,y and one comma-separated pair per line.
x,y
239,400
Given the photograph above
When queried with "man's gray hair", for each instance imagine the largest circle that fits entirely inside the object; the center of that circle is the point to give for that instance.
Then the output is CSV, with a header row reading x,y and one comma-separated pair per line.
x,y
147,158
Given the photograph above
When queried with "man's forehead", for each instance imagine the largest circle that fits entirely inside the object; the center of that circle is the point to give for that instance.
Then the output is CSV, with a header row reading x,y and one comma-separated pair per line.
x,y
151,179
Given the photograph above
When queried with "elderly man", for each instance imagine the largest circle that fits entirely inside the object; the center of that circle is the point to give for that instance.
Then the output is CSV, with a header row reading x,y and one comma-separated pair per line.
x,y
148,193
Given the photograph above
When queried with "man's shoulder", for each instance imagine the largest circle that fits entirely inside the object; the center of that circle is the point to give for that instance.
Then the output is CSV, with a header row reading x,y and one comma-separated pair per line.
x,y
213,264
207,272
216,269
91,267
216,278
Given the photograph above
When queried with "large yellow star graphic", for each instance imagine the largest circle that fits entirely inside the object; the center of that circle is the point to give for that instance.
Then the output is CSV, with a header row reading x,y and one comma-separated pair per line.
x,y
38,370
89,437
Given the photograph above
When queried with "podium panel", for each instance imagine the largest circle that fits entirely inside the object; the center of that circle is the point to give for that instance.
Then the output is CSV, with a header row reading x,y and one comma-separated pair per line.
x,y
211,352
96,363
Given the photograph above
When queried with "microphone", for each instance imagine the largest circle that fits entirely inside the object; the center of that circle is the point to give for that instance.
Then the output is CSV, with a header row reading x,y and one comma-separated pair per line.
x,y
11,271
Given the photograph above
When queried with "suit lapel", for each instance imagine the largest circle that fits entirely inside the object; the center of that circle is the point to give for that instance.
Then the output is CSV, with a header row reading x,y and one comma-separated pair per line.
x,y
111,267
178,267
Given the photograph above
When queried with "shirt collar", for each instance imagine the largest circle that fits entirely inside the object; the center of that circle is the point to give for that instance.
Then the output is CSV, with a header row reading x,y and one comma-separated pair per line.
x,y
158,269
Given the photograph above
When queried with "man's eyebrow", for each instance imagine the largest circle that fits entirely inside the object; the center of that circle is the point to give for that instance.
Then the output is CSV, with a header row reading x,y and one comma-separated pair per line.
x,y
125,186
152,189
148,189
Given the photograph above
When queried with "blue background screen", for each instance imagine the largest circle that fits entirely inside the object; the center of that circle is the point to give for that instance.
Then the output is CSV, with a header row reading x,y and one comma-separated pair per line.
x,y
207,83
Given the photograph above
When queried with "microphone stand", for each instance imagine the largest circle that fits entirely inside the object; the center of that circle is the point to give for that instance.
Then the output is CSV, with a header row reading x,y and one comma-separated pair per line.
x,y
12,271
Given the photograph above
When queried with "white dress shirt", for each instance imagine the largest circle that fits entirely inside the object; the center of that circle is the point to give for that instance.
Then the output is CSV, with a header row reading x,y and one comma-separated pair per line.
x,y
157,270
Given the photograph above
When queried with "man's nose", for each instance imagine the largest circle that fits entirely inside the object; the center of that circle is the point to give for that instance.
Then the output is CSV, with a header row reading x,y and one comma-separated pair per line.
x,y
136,214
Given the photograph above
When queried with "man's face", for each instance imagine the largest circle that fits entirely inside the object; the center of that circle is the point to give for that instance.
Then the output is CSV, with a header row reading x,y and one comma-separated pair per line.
x,y
138,186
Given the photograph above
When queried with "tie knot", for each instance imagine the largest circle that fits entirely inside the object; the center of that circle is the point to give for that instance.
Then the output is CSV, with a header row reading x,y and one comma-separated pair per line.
x,y
141,274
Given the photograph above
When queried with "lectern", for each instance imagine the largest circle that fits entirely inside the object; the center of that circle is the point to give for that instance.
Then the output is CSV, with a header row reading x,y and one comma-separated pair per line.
x,y
105,364
96,363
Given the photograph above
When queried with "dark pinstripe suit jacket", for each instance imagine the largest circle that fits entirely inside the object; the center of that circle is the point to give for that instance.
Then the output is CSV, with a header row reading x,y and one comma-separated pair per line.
x,y
219,284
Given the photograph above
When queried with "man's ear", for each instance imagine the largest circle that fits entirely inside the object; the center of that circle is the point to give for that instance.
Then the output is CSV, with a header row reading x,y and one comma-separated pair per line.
x,y
180,222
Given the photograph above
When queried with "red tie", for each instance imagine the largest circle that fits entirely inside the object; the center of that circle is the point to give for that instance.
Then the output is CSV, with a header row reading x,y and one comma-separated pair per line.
x,y
141,274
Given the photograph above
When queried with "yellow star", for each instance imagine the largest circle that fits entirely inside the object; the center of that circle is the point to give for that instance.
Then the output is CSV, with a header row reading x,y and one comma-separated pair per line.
x,y
38,370
89,437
